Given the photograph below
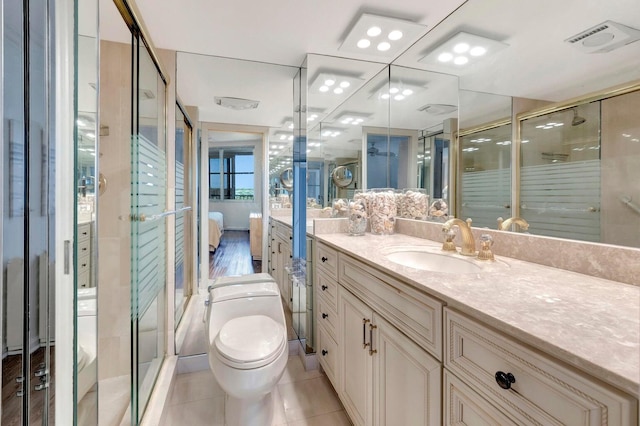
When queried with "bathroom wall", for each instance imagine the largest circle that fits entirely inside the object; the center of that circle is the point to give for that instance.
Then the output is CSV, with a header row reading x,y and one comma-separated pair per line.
x,y
620,169
114,238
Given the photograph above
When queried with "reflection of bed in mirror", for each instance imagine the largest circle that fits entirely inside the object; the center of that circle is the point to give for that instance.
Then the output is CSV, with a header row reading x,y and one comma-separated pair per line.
x,y
216,229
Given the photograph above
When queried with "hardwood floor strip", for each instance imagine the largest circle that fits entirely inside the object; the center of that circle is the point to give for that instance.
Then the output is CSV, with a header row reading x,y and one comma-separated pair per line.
x,y
233,256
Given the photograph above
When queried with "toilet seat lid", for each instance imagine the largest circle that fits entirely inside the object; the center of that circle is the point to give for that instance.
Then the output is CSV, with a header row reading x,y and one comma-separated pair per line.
x,y
251,341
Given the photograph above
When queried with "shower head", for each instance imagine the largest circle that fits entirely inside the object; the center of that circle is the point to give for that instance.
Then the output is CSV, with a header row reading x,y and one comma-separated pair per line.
x,y
577,120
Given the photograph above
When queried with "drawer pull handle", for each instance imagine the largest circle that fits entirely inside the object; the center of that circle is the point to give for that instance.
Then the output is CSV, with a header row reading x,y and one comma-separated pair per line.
x,y
364,333
324,287
324,259
371,350
324,352
324,315
504,380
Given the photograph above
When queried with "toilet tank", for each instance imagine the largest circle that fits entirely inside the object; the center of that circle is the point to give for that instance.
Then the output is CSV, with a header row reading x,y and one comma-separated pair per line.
x,y
232,301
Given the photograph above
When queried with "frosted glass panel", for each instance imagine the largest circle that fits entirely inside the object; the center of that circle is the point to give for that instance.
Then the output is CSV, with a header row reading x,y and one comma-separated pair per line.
x,y
150,172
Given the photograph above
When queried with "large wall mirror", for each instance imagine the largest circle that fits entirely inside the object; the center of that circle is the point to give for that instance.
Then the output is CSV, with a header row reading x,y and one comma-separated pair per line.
x,y
542,134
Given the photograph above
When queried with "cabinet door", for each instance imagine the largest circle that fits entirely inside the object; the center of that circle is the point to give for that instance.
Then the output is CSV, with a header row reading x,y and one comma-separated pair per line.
x,y
406,379
287,282
355,363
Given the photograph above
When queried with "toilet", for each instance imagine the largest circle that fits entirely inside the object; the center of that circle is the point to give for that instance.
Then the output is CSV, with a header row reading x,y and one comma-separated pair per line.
x,y
248,348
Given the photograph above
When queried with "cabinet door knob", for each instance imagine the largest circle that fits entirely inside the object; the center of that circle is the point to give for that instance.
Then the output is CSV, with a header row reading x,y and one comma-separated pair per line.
x,y
324,352
324,259
504,380
324,287
324,315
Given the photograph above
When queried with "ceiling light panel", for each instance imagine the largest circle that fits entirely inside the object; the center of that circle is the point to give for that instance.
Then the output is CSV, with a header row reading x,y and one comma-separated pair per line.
x,y
282,137
334,84
381,36
397,91
331,132
463,50
352,118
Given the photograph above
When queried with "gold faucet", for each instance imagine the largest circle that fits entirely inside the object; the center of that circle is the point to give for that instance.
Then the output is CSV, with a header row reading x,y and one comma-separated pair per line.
x,y
505,225
468,242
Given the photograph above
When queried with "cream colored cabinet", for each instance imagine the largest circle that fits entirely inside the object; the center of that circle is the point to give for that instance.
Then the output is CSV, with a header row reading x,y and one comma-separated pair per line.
x,y
280,252
355,360
326,311
84,256
385,377
529,387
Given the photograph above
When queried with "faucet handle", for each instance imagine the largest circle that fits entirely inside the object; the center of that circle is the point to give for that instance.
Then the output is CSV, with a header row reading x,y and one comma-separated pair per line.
x,y
449,235
485,253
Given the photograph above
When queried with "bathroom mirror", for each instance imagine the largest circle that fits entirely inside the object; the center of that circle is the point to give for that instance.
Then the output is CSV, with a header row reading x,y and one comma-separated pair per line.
x,y
87,173
342,176
232,135
485,158
337,114
524,56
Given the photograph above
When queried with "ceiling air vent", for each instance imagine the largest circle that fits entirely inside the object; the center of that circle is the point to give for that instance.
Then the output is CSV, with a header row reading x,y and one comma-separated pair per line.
x,y
438,109
236,103
604,37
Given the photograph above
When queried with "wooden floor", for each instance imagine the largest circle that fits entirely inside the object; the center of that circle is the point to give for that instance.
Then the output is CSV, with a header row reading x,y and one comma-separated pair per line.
x,y
12,404
233,256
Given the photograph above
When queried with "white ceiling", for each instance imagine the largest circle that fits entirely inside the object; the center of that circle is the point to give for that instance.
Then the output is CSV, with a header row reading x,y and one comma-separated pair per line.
x,y
211,35
274,31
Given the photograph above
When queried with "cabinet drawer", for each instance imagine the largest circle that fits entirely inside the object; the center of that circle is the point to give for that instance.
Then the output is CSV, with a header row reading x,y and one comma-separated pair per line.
x,y
84,232
463,406
327,260
84,279
416,314
543,390
327,317
84,264
327,288
328,354
84,247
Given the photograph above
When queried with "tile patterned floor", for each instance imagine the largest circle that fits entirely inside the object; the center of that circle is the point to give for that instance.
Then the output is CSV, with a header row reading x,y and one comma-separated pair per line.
x,y
302,398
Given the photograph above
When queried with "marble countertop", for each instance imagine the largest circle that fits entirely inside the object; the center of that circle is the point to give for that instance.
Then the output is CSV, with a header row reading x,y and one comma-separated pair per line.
x,y
288,220
590,323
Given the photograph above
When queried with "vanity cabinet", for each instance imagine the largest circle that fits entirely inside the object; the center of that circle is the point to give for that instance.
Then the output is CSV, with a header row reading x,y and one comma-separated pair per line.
x,y
383,376
84,255
280,249
404,358
527,386
326,302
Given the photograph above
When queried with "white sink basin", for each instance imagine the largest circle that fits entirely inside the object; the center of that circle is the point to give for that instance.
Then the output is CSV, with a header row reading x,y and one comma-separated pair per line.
x,y
435,262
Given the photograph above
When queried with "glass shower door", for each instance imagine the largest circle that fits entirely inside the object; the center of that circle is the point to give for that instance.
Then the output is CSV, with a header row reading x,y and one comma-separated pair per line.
x,y
26,201
148,226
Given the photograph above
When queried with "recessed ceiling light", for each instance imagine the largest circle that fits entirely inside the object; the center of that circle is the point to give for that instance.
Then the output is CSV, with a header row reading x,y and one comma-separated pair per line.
x,y
374,31
327,82
385,96
474,47
477,51
395,35
461,47
398,97
445,57
364,43
394,90
407,92
400,32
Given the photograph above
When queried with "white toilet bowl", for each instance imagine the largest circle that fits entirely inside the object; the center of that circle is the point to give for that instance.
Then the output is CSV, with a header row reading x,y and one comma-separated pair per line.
x,y
248,348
